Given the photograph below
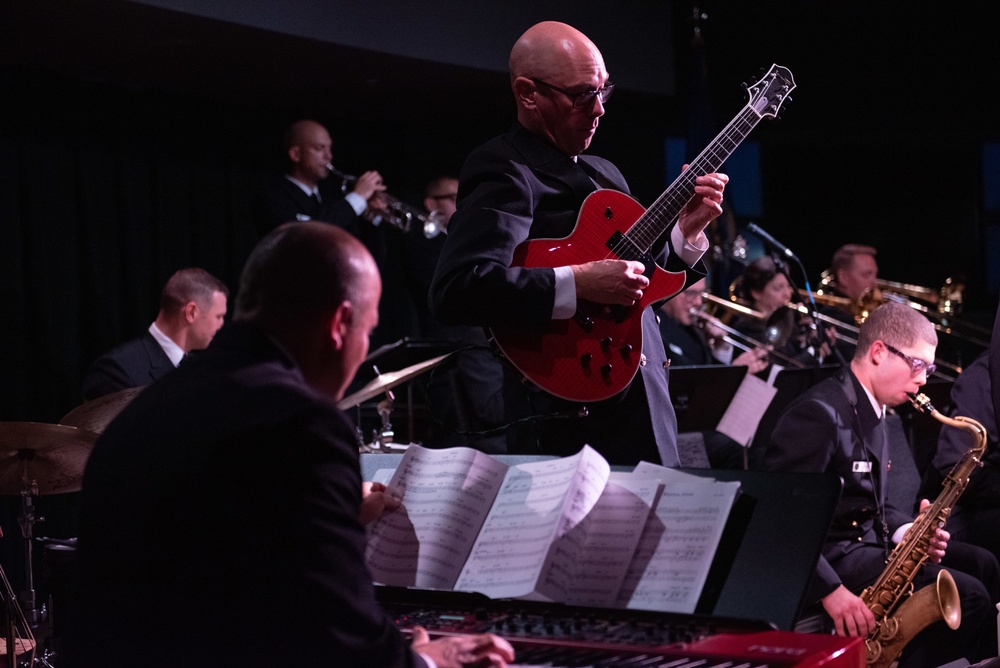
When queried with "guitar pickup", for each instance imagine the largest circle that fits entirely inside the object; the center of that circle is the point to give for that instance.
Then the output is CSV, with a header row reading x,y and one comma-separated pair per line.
x,y
618,244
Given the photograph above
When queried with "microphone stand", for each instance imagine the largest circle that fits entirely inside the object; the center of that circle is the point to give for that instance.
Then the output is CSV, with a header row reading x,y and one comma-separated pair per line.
x,y
818,325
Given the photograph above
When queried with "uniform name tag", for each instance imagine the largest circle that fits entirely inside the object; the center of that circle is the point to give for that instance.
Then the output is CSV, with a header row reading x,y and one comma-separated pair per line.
x,y
862,467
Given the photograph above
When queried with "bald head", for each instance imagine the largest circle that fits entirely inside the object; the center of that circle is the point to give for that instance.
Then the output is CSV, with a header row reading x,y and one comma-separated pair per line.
x,y
315,289
550,66
547,49
307,148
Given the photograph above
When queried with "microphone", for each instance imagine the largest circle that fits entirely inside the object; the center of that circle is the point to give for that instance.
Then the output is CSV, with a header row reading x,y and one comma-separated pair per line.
x,y
756,229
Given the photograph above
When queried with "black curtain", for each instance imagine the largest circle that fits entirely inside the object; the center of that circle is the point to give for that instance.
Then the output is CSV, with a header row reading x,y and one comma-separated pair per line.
x,y
106,192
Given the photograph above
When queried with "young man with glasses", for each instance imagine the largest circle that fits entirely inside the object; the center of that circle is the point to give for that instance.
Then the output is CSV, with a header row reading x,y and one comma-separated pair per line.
x,y
838,426
531,183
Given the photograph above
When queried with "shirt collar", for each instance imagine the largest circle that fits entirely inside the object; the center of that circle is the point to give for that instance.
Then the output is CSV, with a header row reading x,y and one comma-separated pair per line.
x,y
173,351
306,189
878,408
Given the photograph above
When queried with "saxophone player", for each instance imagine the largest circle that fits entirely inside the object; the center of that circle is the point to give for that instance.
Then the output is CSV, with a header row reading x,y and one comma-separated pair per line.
x,y
838,426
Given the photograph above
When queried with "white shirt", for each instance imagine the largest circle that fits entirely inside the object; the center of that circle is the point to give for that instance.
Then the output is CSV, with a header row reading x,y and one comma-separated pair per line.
x,y
356,201
173,351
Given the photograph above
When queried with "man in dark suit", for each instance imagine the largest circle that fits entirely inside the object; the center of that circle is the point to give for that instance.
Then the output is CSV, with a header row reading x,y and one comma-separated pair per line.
x,y
530,183
301,193
221,518
977,513
690,345
838,426
192,309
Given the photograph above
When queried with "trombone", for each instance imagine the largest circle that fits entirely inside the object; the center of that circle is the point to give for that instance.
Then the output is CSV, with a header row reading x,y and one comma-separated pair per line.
x,y
941,306
844,336
737,338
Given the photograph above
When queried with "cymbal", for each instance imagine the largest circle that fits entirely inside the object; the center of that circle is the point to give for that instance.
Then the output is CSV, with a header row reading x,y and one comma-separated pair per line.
x,y
95,415
52,454
387,381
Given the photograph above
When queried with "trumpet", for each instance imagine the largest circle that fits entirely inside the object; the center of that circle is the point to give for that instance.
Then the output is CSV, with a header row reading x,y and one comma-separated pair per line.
x,y
398,213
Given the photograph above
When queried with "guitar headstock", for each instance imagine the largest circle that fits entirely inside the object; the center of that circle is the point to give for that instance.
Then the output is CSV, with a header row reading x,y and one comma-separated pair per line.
x,y
768,94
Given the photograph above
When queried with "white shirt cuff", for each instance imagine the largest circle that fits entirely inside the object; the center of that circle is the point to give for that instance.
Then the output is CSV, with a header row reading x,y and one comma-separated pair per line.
x,y
565,302
724,353
357,202
898,535
688,252
428,660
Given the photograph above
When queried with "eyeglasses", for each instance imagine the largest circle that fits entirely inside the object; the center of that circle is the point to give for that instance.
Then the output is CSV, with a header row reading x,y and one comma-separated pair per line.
x,y
582,100
916,366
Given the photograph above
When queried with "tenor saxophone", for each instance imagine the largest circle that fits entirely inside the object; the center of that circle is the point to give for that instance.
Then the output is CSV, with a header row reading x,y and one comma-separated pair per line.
x,y
899,613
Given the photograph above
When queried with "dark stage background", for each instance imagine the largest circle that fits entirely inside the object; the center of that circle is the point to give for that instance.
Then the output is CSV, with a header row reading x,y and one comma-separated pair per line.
x,y
133,137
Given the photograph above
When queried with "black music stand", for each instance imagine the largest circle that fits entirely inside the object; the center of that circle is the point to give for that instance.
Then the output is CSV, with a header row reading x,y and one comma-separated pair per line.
x,y
768,553
701,394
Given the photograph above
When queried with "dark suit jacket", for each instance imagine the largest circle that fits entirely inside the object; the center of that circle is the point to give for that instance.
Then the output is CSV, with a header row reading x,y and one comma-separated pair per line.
x,y
285,202
686,345
972,398
833,427
517,187
218,525
135,363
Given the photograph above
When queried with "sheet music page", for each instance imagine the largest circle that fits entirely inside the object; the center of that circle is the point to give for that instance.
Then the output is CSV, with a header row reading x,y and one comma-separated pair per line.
x,y
587,567
678,544
446,495
538,502
746,409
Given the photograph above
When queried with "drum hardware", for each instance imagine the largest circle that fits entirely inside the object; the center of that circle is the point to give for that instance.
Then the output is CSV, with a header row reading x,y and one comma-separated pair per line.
x,y
17,637
38,459
382,439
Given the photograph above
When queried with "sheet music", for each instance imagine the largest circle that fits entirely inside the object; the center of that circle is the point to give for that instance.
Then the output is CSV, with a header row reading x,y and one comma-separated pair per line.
x,y
595,563
446,495
538,503
746,409
678,543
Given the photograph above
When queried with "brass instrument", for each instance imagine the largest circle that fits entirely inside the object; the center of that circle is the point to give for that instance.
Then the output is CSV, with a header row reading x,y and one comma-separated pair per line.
x,y
399,214
738,338
941,306
899,613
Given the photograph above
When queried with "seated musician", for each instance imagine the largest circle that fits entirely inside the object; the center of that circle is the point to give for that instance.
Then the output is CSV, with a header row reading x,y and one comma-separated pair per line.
x,y
838,426
234,536
977,513
855,276
768,290
530,183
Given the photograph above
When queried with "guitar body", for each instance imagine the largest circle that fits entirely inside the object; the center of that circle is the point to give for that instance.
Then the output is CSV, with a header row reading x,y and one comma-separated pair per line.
x,y
595,354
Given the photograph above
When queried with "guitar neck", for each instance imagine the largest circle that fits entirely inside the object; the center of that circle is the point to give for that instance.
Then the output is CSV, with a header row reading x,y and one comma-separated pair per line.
x,y
668,205
766,97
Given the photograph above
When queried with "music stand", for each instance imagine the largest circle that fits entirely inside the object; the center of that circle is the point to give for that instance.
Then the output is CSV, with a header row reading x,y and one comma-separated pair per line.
x,y
701,394
768,553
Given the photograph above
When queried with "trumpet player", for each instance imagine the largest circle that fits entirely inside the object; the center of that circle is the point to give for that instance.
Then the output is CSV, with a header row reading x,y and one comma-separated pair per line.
x,y
838,426
301,193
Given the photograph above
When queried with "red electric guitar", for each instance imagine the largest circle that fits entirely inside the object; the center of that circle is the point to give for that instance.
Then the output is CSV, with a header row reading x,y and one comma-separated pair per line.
x,y
595,354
